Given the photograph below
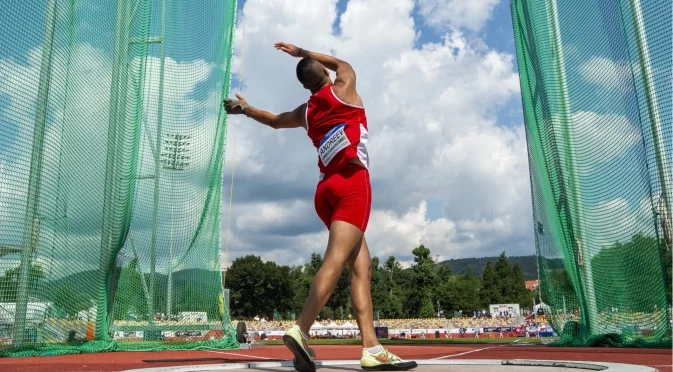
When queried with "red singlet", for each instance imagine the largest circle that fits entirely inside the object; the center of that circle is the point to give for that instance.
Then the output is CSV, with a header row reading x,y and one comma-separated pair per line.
x,y
339,133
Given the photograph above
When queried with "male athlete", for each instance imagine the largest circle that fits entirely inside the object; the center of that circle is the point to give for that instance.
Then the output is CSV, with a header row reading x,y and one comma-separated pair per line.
x,y
335,120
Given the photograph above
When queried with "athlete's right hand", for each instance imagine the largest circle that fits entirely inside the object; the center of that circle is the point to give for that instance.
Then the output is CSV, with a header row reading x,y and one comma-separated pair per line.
x,y
288,48
236,106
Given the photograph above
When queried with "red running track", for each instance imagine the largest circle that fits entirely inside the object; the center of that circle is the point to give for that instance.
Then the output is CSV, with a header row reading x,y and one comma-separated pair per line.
x,y
660,359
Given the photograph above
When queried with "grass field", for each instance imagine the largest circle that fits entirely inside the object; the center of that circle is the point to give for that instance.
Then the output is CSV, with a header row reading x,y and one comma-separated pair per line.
x,y
418,341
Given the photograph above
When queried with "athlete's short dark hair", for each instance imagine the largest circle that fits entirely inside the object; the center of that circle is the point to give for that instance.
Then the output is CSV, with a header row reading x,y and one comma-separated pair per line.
x,y
310,73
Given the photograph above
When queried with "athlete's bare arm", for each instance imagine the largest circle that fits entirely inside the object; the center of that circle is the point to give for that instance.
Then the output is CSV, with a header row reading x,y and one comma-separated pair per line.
x,y
286,120
344,84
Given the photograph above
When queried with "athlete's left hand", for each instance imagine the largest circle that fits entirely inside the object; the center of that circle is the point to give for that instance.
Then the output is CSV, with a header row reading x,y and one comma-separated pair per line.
x,y
236,106
288,48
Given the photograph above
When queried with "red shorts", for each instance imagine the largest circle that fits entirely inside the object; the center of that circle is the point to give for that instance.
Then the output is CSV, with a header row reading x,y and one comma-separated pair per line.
x,y
345,196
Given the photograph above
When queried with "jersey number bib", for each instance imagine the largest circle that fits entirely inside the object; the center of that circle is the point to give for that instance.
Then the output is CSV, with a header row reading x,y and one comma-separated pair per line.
x,y
334,141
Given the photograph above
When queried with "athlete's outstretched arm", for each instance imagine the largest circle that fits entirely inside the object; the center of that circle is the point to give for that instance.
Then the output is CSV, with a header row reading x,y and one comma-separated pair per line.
x,y
292,119
344,71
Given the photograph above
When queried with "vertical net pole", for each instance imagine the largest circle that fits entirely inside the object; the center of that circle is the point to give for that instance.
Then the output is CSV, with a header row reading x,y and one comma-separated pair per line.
x,y
31,221
111,199
647,74
582,252
157,163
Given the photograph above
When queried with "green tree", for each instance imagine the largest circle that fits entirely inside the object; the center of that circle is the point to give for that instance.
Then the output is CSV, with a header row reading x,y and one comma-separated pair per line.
x,y
298,277
390,268
425,280
490,288
246,284
303,277
130,298
520,294
9,283
465,293
394,280
379,294
340,299
313,265
503,275
339,303
278,289
560,286
444,287
624,269
259,288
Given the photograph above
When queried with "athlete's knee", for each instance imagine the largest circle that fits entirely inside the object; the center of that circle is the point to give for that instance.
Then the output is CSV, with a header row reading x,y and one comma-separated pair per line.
x,y
331,269
362,272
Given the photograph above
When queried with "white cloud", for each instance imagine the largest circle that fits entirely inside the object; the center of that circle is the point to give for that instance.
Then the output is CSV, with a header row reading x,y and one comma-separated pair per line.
x,y
269,216
434,123
75,149
469,14
389,231
607,73
607,135
433,135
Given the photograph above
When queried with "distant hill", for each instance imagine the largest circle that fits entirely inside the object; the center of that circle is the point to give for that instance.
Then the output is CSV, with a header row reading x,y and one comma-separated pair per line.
x,y
528,265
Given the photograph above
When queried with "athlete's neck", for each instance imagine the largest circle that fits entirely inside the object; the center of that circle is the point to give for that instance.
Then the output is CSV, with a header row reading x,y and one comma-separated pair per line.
x,y
314,91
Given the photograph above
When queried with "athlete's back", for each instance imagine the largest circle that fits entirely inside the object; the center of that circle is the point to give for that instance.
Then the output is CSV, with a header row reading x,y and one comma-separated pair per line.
x,y
337,129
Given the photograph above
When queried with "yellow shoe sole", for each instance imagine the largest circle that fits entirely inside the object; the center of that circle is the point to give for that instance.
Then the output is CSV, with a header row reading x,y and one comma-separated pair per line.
x,y
302,361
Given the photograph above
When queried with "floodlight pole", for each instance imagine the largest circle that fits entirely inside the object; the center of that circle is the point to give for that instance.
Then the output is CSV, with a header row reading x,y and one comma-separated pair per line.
x,y
173,159
31,220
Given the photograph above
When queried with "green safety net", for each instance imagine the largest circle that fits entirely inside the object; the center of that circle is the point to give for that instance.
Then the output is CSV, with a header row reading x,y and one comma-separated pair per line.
x,y
596,86
112,138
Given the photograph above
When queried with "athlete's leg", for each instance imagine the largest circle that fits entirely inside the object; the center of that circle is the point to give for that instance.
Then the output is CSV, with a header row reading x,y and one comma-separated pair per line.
x,y
374,356
343,239
343,201
360,266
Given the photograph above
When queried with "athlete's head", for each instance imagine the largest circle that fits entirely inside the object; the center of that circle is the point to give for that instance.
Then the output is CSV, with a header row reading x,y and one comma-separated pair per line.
x,y
312,74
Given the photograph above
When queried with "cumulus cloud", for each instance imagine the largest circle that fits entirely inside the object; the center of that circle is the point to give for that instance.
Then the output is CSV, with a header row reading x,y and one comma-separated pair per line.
x,y
434,135
472,14
607,73
607,135
75,151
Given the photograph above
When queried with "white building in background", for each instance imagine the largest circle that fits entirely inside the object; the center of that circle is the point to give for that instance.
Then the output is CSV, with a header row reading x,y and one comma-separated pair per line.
x,y
194,316
496,309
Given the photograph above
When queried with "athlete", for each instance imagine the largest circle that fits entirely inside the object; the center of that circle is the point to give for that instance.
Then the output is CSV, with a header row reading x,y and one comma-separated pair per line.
x,y
334,119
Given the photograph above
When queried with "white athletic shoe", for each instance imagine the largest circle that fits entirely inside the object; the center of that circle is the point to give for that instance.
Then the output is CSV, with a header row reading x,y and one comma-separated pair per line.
x,y
384,360
295,340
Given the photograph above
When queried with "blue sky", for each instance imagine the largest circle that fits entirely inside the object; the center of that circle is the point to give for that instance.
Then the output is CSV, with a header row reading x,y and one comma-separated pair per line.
x,y
449,161
495,38
497,34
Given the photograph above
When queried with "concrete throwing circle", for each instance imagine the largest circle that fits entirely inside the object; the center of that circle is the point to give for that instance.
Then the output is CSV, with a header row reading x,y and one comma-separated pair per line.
x,y
471,365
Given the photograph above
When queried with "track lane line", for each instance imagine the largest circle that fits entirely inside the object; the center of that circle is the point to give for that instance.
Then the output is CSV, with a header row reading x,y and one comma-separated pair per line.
x,y
467,352
244,355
